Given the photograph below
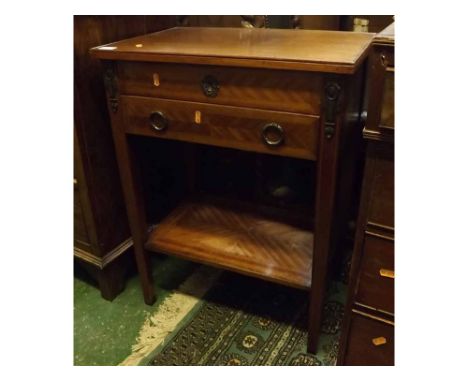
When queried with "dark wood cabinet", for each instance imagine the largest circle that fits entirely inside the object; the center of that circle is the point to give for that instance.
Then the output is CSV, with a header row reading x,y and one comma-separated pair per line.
x,y
368,329
101,233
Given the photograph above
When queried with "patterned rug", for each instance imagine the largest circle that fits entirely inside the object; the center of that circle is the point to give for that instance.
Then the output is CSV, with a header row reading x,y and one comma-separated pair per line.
x,y
246,321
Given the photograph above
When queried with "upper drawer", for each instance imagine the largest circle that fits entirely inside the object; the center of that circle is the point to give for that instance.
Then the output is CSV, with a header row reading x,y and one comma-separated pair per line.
x,y
265,89
376,279
271,132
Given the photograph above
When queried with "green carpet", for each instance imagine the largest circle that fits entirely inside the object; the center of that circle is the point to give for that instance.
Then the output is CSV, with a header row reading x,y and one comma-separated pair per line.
x,y
245,321
104,331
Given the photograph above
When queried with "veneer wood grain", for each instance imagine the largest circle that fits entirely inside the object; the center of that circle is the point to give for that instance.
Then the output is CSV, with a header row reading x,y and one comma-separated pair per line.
x,y
250,102
235,237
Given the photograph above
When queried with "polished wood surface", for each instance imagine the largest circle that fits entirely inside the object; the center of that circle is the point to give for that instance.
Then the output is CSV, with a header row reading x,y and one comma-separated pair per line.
x,y
223,126
231,236
325,51
327,133
264,89
336,171
369,312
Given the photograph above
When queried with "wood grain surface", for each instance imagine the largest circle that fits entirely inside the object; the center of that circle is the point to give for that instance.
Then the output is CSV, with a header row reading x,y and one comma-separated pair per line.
x,y
285,90
223,126
326,51
235,238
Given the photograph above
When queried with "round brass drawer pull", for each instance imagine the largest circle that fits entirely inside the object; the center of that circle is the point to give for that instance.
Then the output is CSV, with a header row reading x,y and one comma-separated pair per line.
x,y
273,134
158,121
210,86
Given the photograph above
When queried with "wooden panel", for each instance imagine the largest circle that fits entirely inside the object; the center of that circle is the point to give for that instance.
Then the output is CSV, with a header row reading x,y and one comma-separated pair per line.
x,y
80,233
235,238
387,116
376,285
100,216
327,51
94,133
223,126
370,343
382,197
381,119
267,89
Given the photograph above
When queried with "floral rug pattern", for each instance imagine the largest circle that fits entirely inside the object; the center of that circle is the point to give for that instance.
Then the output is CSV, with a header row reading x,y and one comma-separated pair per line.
x,y
244,321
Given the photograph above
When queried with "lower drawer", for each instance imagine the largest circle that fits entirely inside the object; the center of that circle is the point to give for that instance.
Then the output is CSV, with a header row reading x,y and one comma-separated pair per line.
x,y
264,131
376,285
370,343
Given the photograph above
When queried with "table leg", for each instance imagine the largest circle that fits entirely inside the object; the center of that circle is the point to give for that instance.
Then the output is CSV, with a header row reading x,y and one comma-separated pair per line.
x,y
131,184
325,200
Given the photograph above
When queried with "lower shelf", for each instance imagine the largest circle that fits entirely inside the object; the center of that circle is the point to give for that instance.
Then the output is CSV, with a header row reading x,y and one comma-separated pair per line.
x,y
237,239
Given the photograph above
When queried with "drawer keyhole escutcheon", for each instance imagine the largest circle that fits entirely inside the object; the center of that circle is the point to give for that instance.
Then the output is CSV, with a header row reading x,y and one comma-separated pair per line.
x,y
273,134
156,81
197,117
332,98
378,341
158,121
210,86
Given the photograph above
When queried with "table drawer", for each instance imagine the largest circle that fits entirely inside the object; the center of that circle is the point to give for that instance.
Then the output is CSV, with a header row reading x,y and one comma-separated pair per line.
x,y
266,89
277,133
376,283
370,343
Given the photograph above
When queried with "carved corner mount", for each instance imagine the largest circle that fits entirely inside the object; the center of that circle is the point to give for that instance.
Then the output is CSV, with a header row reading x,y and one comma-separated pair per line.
x,y
332,99
111,85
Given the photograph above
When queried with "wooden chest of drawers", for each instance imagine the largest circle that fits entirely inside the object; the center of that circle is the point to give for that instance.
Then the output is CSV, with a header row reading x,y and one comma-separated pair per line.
x,y
286,93
368,330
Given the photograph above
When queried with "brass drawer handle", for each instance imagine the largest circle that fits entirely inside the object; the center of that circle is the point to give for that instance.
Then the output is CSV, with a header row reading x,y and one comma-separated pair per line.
x,y
210,86
378,341
273,134
387,273
158,121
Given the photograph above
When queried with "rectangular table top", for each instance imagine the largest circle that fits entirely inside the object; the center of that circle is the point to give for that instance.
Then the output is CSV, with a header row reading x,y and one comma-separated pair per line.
x,y
314,50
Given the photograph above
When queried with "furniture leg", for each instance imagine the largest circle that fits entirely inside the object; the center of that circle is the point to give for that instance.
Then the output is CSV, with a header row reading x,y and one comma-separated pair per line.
x,y
131,185
327,169
136,213
111,281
